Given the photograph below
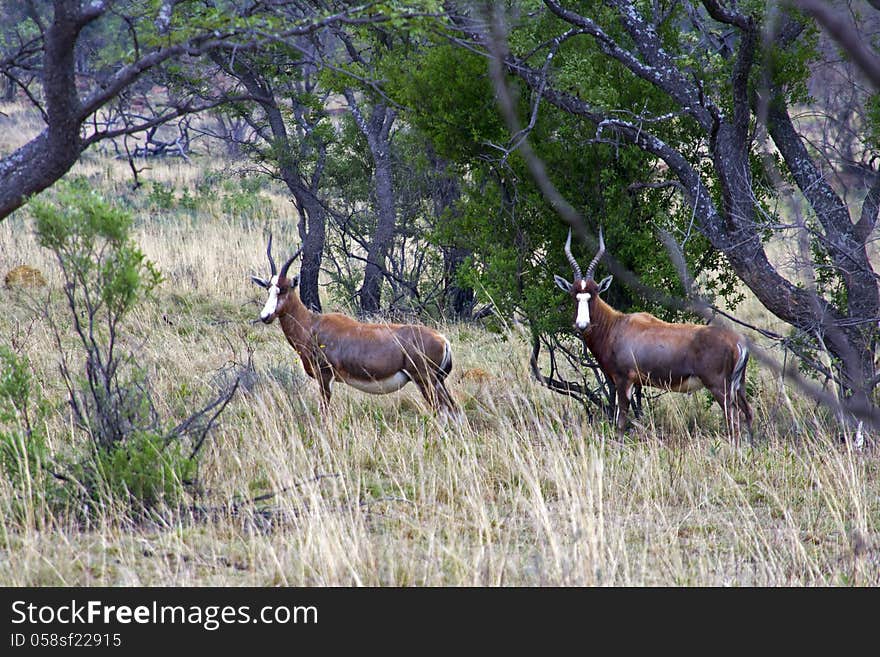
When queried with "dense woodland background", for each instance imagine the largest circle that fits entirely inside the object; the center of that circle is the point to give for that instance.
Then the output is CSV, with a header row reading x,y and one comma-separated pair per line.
x,y
147,150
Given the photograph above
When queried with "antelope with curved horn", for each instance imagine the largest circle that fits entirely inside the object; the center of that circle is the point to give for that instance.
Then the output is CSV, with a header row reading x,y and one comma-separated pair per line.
x,y
374,358
639,349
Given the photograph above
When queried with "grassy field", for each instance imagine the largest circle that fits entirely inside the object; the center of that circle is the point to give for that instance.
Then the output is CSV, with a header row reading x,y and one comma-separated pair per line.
x,y
525,492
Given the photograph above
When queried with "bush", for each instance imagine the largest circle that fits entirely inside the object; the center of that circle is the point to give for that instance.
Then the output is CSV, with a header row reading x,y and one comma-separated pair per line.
x,y
136,458
161,195
144,471
105,277
23,450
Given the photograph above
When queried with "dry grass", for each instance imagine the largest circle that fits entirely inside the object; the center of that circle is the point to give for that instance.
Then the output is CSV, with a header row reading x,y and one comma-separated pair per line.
x,y
525,492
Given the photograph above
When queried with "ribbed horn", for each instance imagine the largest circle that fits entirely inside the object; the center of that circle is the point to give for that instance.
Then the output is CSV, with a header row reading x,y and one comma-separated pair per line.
x,y
289,262
269,253
571,260
595,261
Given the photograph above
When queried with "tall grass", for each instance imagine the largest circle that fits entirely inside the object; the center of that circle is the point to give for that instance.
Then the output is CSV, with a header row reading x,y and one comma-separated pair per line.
x,y
526,491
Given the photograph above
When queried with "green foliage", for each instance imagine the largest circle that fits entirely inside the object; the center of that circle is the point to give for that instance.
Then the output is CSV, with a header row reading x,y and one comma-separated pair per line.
x,y
873,120
22,438
449,98
104,272
789,68
243,200
144,471
189,202
349,168
134,459
161,195
15,379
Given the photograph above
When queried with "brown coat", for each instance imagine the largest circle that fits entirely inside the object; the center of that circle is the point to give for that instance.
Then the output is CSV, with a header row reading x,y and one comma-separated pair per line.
x,y
639,349
375,358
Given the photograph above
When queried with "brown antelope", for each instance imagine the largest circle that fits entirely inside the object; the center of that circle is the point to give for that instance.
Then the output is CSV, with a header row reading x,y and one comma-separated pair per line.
x,y
374,358
639,349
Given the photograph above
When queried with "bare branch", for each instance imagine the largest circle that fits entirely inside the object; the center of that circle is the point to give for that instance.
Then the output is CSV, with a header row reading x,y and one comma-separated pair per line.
x,y
845,34
569,388
657,67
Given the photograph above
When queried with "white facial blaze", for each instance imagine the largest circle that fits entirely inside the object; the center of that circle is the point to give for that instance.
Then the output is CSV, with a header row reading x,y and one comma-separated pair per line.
x,y
272,301
583,315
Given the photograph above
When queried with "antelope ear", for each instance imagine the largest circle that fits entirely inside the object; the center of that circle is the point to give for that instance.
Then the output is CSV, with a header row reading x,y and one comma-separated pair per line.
x,y
562,284
605,284
294,282
259,281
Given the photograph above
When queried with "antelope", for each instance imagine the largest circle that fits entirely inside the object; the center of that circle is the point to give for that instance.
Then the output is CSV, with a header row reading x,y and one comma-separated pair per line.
x,y
374,358
640,349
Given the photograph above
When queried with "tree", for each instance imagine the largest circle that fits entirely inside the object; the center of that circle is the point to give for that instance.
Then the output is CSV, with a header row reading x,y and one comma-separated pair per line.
x,y
169,33
291,87
376,128
294,131
136,455
374,118
512,234
719,82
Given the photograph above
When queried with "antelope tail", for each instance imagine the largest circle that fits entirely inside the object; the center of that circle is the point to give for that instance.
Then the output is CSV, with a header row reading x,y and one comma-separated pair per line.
x,y
739,370
446,364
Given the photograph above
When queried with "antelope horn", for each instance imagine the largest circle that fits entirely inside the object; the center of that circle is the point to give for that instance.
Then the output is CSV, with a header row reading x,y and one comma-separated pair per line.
x,y
571,260
595,261
289,262
269,253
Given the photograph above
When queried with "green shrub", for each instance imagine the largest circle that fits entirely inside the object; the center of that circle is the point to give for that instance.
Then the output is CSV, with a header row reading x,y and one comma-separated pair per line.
x,y
243,204
23,450
145,470
161,196
136,458
189,202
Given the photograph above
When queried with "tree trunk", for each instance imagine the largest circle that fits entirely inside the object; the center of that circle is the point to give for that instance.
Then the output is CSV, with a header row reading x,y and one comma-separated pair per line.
x,y
39,163
313,226
386,220
458,302
312,223
377,130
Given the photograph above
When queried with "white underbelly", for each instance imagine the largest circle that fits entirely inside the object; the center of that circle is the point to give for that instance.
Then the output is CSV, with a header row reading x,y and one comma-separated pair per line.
x,y
380,386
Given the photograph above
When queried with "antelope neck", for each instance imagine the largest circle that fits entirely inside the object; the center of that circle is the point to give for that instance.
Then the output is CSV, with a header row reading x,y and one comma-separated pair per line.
x,y
601,320
295,318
